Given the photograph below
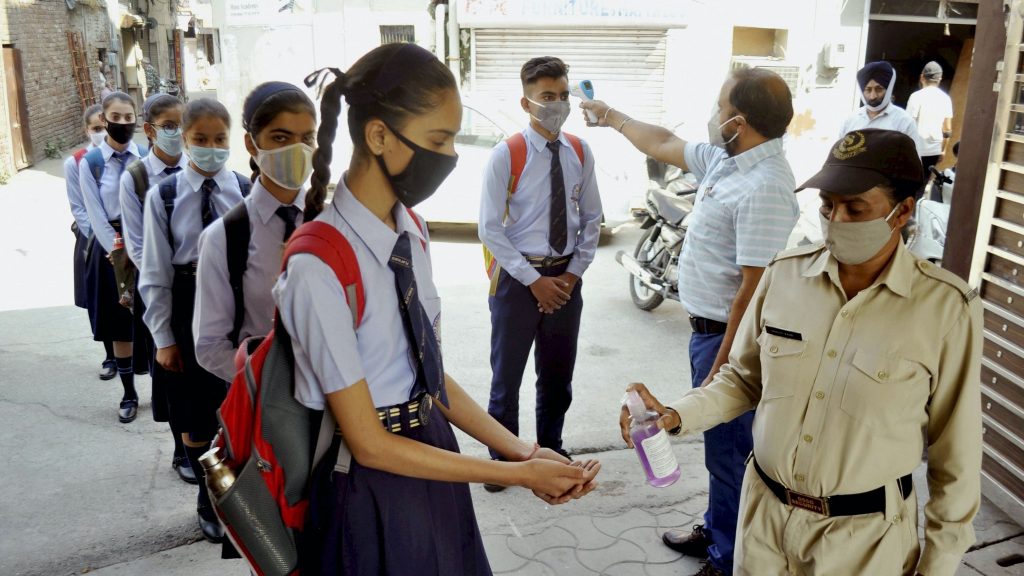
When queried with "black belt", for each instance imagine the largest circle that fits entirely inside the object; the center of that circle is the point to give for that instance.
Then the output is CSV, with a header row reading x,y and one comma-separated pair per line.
x,y
547,261
706,326
408,415
186,269
868,502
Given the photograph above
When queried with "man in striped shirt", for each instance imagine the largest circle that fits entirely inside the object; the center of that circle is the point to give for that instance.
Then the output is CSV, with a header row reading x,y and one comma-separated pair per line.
x,y
744,213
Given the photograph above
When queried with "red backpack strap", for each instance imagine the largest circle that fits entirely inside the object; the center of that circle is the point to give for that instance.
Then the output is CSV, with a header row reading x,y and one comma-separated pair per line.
x,y
577,145
79,154
419,224
517,155
328,244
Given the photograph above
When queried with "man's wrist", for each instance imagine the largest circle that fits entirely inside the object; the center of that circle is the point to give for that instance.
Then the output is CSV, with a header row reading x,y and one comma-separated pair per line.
x,y
679,426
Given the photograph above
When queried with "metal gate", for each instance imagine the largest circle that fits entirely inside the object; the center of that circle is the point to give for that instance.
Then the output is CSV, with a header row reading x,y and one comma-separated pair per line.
x,y
626,65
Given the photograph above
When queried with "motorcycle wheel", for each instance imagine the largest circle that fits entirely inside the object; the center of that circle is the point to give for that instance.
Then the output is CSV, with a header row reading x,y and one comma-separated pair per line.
x,y
647,251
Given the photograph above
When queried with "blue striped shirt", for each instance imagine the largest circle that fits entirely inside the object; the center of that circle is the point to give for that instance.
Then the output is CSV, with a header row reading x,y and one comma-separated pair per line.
x,y
744,213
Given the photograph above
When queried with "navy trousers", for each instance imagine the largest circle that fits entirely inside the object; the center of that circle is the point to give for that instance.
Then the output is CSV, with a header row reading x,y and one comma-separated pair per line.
x,y
726,448
516,325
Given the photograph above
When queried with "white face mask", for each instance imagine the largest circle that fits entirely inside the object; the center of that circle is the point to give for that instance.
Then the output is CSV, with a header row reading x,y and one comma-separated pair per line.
x,y
289,167
97,138
856,242
551,115
725,143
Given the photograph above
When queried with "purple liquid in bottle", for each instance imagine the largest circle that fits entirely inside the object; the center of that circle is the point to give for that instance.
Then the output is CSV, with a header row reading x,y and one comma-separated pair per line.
x,y
651,444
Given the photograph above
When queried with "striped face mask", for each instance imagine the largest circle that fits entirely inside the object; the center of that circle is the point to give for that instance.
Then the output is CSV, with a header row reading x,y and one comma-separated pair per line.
x,y
289,167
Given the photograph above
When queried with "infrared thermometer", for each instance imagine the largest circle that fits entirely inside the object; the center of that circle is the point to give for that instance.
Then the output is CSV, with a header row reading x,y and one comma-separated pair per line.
x,y
584,90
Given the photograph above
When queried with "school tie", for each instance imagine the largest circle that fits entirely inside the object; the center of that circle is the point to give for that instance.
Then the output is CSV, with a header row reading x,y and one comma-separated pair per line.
x,y
208,211
418,327
288,214
172,170
122,163
558,233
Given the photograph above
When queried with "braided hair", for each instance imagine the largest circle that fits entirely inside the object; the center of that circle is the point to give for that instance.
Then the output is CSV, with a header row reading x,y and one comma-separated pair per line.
x,y
264,104
391,83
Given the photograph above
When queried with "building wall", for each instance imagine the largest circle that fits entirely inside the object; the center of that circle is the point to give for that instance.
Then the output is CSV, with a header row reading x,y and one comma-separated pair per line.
x,y
37,28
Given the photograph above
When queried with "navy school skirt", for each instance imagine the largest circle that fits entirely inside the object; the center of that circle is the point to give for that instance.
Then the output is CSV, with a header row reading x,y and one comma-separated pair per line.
x,y
369,522
79,259
110,321
194,395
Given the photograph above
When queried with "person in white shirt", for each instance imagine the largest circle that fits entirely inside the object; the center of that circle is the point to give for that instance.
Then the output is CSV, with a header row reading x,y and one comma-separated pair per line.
x,y
932,110
876,81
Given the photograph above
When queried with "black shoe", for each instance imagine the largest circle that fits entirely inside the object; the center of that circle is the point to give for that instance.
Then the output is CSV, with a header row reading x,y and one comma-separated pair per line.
x,y
706,569
494,487
563,453
141,371
184,469
694,544
128,411
211,528
108,370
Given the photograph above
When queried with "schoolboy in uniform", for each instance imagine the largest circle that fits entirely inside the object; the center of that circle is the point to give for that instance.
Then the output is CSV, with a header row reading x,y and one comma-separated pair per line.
x,y
542,238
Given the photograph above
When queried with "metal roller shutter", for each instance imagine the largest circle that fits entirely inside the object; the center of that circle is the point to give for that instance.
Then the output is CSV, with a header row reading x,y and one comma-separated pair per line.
x,y
626,65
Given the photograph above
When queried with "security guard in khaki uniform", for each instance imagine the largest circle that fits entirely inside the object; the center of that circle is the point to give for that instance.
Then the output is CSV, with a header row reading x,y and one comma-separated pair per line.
x,y
847,351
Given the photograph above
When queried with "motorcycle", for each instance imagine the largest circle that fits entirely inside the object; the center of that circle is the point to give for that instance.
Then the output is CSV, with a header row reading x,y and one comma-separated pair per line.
x,y
932,217
168,86
653,266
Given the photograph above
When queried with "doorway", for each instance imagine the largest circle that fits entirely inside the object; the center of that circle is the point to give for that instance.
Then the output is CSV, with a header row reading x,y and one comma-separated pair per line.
x,y
17,108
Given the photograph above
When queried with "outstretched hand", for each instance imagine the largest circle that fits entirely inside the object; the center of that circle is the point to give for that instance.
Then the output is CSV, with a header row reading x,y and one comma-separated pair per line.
x,y
599,108
584,471
669,418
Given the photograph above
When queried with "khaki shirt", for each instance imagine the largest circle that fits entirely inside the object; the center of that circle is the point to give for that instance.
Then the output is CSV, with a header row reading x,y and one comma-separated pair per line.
x,y
843,388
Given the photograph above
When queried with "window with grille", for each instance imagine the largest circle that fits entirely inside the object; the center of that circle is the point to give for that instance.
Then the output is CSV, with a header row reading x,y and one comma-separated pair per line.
x,y
390,34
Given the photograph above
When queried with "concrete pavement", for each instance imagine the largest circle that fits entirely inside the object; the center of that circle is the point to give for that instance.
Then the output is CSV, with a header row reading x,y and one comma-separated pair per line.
x,y
85,493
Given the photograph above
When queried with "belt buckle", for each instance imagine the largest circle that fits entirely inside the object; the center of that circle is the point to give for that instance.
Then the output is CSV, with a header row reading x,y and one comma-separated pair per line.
x,y
423,412
798,500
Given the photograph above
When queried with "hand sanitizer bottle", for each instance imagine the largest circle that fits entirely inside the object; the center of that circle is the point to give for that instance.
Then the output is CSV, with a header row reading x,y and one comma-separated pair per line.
x,y
651,443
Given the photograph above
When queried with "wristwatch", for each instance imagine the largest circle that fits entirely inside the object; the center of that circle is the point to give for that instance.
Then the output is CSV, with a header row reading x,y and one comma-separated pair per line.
x,y
679,427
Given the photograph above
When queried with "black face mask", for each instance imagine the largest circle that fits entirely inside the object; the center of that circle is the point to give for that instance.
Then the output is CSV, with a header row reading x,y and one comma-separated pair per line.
x,y
121,133
422,177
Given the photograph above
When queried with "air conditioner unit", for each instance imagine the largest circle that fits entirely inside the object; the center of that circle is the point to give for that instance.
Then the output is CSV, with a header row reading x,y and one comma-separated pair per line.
x,y
834,55
789,72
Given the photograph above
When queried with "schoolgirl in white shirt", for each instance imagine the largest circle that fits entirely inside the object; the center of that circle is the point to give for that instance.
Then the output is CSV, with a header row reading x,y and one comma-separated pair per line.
x,y
176,212
404,505
280,130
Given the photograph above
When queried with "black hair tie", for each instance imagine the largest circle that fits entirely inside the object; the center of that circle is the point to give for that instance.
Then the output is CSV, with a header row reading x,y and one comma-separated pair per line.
x,y
318,78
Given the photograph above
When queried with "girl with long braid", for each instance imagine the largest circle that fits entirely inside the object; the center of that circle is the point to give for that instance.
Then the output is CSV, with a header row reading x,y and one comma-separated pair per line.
x,y
403,506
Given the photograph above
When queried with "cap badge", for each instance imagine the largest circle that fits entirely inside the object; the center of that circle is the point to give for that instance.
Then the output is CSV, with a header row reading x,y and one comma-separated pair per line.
x,y
853,144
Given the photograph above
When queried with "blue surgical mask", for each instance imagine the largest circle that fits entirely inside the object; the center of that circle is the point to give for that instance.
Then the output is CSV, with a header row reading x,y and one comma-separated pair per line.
x,y
169,142
209,159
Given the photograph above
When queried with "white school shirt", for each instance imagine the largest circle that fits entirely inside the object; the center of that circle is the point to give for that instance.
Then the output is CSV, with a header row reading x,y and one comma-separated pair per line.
x,y
102,199
74,189
527,229
930,107
131,207
214,315
156,277
329,354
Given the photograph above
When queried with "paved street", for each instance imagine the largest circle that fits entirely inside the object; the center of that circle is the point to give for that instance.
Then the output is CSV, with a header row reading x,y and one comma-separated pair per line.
x,y
85,493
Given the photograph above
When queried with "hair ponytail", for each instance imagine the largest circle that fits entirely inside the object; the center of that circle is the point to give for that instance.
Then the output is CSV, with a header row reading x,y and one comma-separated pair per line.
x,y
330,109
255,169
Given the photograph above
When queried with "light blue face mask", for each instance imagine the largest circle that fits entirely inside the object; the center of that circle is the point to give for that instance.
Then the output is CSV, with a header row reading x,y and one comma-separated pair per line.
x,y
169,142
209,160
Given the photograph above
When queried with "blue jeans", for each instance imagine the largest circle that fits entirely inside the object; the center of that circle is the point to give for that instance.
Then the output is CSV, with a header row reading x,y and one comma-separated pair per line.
x,y
726,448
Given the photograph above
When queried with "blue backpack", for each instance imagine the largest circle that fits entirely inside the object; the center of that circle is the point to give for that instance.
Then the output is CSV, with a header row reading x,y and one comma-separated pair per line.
x,y
94,158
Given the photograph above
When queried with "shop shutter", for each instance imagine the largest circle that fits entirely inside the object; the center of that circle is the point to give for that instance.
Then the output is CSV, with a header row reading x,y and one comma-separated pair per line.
x,y
626,65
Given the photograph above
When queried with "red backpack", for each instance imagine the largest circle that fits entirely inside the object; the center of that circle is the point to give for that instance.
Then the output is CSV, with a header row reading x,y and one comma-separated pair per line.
x,y
265,432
